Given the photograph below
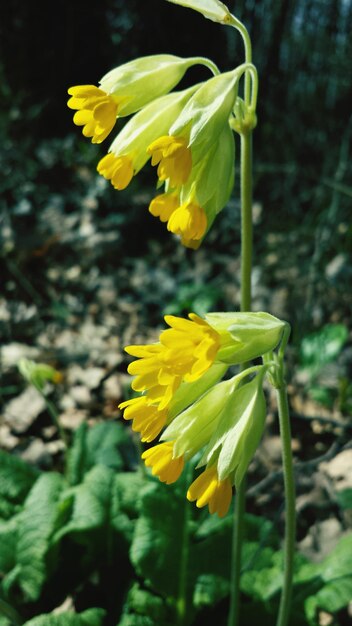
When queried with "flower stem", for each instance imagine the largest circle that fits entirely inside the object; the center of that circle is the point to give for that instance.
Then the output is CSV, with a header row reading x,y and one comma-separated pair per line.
x,y
181,603
53,414
246,270
290,532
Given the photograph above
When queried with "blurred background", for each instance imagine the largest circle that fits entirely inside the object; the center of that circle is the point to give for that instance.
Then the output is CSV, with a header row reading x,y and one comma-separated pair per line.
x,y
85,270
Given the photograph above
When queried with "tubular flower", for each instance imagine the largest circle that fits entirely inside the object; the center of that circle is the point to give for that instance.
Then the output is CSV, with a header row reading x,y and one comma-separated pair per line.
x,y
160,458
174,159
128,152
96,111
190,222
164,205
146,418
185,352
119,170
208,489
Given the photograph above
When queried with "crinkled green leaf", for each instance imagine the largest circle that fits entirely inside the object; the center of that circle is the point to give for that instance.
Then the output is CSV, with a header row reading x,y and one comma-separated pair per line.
x,y
37,522
88,503
8,543
16,479
91,617
107,444
125,503
158,537
332,578
212,9
144,608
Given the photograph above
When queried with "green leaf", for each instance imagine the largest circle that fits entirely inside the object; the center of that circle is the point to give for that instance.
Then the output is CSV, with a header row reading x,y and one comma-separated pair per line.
x,y
91,617
344,499
86,505
16,479
335,572
107,444
158,537
8,543
125,503
211,9
37,522
143,608
322,347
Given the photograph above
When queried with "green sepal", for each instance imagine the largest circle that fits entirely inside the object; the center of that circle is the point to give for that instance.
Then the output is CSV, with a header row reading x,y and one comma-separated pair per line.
x,y
239,431
207,113
140,81
245,336
188,393
153,121
212,9
193,428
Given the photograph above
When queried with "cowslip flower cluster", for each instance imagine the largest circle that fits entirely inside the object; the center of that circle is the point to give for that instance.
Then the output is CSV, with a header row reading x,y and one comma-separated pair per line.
x,y
186,135
185,403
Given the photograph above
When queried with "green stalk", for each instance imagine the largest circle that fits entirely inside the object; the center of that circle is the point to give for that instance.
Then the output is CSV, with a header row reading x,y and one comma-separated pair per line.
x,y
290,509
53,414
246,271
181,602
246,274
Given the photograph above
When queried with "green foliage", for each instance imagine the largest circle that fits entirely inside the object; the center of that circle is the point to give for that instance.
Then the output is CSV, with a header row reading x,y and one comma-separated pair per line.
x,y
107,443
344,499
16,479
333,581
317,351
36,523
198,298
61,535
322,347
91,617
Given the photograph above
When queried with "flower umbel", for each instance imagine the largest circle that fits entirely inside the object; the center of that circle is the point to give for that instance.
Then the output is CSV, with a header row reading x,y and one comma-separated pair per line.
x,y
195,413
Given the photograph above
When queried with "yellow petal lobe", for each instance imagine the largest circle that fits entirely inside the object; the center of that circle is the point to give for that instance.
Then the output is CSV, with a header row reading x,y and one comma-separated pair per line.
x,y
164,466
207,489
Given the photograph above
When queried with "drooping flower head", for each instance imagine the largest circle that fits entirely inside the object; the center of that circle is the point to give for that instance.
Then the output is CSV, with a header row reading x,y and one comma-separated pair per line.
x,y
183,400
128,152
123,91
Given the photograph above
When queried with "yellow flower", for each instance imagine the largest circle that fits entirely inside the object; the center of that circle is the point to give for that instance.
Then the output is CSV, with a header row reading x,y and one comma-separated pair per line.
x,y
164,205
174,158
208,489
96,111
185,352
117,169
146,418
164,465
190,222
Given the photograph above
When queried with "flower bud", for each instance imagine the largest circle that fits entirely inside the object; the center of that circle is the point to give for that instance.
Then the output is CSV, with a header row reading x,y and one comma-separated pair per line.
x,y
207,113
245,336
239,431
